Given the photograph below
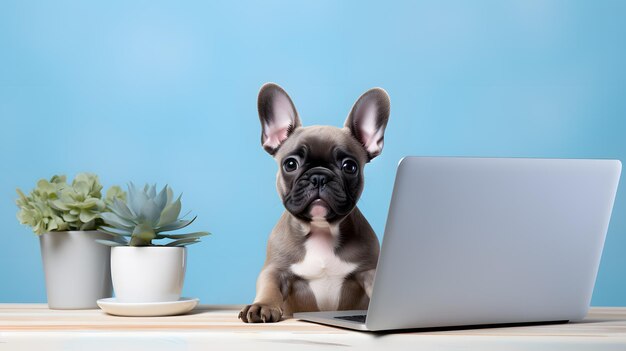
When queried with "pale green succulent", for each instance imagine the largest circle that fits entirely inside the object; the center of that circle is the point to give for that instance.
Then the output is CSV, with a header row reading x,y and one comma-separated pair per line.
x,y
57,206
35,210
114,192
146,217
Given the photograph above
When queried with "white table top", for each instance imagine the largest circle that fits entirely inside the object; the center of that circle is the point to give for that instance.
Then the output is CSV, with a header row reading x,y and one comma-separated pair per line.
x,y
35,327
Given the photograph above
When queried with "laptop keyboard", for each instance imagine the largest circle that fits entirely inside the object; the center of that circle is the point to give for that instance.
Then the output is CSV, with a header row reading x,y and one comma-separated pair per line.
x,y
358,318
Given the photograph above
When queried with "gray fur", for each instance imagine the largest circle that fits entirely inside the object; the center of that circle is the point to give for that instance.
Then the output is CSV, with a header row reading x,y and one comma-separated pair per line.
x,y
320,150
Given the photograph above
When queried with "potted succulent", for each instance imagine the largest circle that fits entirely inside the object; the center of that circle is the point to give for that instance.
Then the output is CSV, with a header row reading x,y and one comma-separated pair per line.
x,y
148,216
65,217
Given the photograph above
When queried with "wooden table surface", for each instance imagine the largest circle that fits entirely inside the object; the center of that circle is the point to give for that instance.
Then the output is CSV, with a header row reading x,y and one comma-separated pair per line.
x,y
35,327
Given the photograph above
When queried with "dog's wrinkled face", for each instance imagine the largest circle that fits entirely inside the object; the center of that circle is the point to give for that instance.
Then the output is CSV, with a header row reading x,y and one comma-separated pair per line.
x,y
320,175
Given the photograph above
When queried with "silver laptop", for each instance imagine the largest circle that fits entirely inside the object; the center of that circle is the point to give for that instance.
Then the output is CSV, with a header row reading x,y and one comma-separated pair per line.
x,y
474,241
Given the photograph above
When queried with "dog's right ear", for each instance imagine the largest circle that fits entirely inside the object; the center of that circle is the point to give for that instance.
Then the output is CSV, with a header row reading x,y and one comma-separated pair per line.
x,y
278,116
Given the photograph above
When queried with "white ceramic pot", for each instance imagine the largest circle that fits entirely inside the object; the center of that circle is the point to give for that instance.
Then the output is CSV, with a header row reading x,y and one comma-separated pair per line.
x,y
148,273
77,268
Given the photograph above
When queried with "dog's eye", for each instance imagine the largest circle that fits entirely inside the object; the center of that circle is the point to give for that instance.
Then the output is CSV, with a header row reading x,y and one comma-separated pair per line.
x,y
349,167
290,164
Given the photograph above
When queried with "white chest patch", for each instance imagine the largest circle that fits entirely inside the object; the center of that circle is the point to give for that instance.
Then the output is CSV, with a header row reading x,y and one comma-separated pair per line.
x,y
323,269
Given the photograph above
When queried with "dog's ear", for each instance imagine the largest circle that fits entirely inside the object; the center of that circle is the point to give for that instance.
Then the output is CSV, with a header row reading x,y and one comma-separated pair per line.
x,y
278,116
368,119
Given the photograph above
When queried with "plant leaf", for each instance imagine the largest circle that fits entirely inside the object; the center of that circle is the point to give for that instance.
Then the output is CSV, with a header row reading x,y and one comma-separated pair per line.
x,y
114,220
120,208
182,242
182,236
191,243
176,225
152,191
87,216
59,205
91,225
110,242
170,194
114,231
150,212
170,212
161,199
136,199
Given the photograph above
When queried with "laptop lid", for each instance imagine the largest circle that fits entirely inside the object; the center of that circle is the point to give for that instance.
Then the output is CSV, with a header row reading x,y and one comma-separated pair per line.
x,y
491,240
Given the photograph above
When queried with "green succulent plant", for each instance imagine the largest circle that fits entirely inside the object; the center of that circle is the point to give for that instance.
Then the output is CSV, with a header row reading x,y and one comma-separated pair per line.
x,y
147,216
35,210
55,205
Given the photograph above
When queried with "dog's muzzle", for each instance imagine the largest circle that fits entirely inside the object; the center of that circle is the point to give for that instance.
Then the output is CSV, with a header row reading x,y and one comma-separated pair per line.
x,y
318,193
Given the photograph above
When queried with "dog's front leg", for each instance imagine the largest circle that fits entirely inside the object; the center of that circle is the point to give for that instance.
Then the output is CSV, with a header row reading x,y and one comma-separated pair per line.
x,y
266,307
366,280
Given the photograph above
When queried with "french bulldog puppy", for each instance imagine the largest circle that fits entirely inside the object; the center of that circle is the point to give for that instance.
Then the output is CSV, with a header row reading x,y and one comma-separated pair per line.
x,y
322,253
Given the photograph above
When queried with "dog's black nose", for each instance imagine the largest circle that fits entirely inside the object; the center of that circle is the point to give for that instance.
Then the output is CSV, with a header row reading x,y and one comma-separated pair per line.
x,y
318,180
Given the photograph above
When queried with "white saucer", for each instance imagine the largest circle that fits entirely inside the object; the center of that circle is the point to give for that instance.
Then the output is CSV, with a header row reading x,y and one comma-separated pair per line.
x,y
147,309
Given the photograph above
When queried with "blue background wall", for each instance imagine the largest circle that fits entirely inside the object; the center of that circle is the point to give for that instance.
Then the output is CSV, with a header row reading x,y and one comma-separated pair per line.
x,y
166,92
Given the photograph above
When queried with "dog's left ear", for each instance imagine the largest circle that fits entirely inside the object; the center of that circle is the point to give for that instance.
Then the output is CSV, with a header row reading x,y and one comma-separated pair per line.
x,y
368,119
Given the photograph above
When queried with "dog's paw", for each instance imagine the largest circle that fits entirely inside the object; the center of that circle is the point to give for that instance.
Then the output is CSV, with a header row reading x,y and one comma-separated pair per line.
x,y
258,313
